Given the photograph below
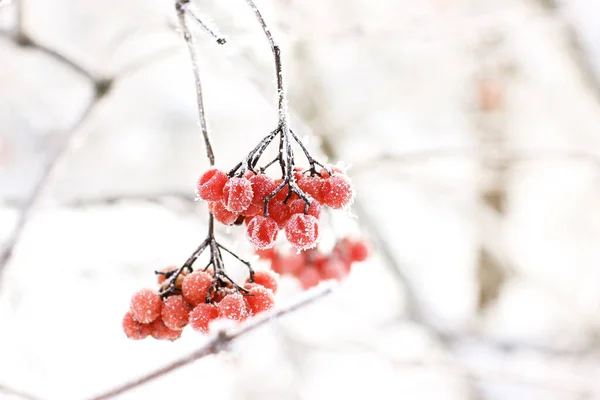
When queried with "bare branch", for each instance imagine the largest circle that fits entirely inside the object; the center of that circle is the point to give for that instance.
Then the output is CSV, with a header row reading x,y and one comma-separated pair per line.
x,y
223,340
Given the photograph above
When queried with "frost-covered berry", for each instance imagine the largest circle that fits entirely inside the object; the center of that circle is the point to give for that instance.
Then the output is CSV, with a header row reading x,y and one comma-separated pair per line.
x,y
262,232
252,210
337,192
175,312
268,279
313,186
133,329
145,306
279,211
259,299
262,186
210,185
202,315
297,207
283,193
237,194
221,214
334,171
233,307
302,231
162,332
195,287
161,278
334,269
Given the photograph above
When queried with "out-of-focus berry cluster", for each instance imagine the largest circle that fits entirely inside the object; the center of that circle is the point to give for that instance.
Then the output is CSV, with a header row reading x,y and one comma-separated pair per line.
x,y
313,266
197,303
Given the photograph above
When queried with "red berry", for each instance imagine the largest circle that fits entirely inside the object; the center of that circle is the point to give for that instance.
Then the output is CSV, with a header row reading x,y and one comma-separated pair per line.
x,y
162,332
262,186
279,211
133,329
252,210
302,231
359,251
175,312
259,299
266,254
221,214
289,264
233,307
220,294
313,186
297,207
195,287
145,306
337,192
237,194
334,269
202,315
268,279
309,277
298,174
334,171
210,185
162,278
262,232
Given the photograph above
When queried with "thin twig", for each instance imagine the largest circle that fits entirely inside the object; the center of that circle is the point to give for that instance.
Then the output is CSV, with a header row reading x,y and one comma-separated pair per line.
x,y
17,393
222,340
189,40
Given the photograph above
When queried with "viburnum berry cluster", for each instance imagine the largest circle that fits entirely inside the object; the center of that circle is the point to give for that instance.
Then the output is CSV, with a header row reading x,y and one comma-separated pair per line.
x,y
194,298
291,203
313,266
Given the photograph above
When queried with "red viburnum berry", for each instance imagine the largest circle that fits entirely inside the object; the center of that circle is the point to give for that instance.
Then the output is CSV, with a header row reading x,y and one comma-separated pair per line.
x,y
334,269
233,307
133,329
297,207
259,299
283,193
359,251
309,277
279,211
298,174
313,186
334,171
266,254
262,186
252,210
268,279
202,315
145,306
289,264
175,312
237,194
221,214
210,185
162,332
302,231
262,232
337,191
195,287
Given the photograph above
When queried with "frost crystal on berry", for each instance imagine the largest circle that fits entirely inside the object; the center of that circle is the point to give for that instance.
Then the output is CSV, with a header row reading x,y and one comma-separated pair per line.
x,y
262,232
237,194
233,307
202,315
145,306
195,287
302,231
175,312
337,192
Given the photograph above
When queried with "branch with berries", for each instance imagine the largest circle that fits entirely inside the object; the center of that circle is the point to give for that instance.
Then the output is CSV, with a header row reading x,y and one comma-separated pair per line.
x,y
291,201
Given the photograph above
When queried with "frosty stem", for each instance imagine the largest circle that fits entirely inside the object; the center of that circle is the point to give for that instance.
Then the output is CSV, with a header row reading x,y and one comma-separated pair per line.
x,y
220,278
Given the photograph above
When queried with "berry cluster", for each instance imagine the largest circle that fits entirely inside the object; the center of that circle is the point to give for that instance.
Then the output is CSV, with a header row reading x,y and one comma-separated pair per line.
x,y
196,301
268,205
313,266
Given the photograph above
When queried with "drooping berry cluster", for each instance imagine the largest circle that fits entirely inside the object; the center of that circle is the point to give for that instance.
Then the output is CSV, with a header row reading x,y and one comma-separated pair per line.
x,y
196,301
269,205
313,266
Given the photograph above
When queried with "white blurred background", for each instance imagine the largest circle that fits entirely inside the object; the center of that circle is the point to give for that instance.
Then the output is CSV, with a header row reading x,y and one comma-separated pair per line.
x,y
472,129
